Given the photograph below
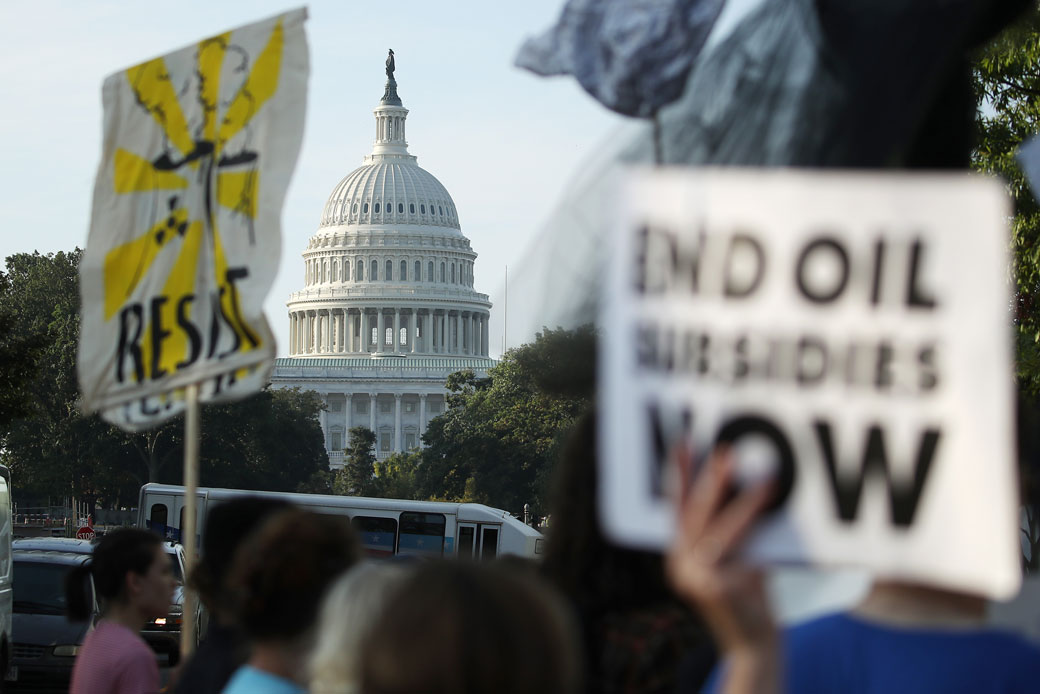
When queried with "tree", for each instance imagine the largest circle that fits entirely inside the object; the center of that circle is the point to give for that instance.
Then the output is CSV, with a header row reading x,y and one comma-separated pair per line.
x,y
397,476
1007,83
499,440
271,441
357,478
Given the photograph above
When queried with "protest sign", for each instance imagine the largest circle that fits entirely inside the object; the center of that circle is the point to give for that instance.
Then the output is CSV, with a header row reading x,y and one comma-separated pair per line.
x,y
848,335
185,234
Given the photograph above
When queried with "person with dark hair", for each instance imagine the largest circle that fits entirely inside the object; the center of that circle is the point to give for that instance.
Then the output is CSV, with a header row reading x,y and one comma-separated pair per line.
x,y
223,650
638,635
468,628
133,577
277,583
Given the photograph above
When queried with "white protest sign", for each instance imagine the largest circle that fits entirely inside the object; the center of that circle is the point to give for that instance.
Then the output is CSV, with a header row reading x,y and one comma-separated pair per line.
x,y
848,334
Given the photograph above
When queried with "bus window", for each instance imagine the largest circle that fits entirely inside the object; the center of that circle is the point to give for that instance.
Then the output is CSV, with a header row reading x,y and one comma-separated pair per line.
x,y
421,534
465,541
158,517
377,535
489,543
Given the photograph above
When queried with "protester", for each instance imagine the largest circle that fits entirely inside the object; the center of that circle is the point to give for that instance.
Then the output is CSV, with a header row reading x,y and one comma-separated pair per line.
x,y
223,649
134,578
350,612
903,637
278,580
637,634
468,628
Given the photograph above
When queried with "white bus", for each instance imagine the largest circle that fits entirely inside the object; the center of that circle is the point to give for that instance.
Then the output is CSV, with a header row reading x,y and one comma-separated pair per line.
x,y
385,526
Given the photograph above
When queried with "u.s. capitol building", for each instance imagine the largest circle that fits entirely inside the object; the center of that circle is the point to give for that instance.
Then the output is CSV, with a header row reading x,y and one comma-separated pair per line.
x,y
388,309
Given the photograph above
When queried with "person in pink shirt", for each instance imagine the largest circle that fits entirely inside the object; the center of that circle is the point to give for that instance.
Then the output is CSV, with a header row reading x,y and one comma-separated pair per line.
x,y
133,577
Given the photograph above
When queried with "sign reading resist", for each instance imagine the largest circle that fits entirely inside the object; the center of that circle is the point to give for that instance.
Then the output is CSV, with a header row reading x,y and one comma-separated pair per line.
x,y
847,335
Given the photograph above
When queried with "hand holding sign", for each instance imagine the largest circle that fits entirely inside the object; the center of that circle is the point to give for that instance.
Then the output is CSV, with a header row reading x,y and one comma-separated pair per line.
x,y
730,596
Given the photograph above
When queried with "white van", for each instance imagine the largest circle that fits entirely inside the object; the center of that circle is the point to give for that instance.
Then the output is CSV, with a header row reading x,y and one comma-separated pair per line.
x,y
6,571
386,526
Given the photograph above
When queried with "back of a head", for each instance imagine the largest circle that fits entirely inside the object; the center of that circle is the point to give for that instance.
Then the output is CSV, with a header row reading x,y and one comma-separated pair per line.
x,y
353,607
466,628
597,574
283,570
227,527
117,553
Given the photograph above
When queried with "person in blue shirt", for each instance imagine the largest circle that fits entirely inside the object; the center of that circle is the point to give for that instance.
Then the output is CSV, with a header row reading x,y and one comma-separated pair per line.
x,y
903,637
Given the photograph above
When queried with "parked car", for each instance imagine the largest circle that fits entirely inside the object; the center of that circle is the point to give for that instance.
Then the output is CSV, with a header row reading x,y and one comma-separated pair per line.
x,y
162,634
45,641
6,573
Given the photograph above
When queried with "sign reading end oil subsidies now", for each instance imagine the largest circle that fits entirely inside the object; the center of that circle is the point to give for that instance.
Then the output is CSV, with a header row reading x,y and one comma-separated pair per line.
x,y
847,335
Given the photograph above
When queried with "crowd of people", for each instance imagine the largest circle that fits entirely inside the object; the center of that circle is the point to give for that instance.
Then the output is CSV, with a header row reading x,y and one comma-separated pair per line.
x,y
295,607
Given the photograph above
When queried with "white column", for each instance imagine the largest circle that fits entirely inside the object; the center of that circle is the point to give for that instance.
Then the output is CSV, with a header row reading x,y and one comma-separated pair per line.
x,y
372,416
412,334
327,347
313,332
381,332
337,330
397,422
366,330
473,342
422,417
397,329
347,412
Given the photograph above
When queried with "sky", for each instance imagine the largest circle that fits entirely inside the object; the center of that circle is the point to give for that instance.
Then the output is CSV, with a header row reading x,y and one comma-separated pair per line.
x,y
503,141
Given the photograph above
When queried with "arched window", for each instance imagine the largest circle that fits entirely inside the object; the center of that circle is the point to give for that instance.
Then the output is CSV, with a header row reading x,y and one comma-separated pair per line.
x,y
364,208
375,336
429,271
400,208
442,272
441,210
360,267
377,208
403,277
324,271
346,270
404,336
374,275
411,207
389,337
422,208
417,275
453,273
335,271
389,270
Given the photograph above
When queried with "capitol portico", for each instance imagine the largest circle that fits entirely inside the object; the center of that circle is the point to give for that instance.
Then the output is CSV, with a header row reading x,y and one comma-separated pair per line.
x,y
388,309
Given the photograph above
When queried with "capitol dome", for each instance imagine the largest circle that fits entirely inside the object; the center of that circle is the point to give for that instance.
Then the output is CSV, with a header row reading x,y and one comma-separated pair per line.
x,y
389,307
390,191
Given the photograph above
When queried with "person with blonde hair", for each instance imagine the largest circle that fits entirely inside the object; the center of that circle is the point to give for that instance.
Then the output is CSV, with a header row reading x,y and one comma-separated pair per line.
x,y
351,609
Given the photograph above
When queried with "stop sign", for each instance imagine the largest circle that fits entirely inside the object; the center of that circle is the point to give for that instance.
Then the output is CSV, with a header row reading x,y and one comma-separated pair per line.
x,y
85,533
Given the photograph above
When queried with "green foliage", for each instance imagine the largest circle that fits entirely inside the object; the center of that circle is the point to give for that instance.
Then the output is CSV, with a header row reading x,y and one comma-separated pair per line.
x,y
500,437
1007,83
270,441
358,475
397,476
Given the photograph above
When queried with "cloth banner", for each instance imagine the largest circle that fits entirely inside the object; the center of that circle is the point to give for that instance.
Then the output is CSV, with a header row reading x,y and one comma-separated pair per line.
x,y
185,235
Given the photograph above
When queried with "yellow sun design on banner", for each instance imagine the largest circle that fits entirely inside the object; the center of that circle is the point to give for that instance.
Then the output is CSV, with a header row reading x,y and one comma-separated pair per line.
x,y
196,173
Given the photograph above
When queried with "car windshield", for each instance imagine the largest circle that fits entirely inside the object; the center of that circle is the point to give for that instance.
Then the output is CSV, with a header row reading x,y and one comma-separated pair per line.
x,y
39,588
176,568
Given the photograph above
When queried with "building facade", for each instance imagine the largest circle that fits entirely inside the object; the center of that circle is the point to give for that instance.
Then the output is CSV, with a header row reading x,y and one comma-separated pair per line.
x,y
388,309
